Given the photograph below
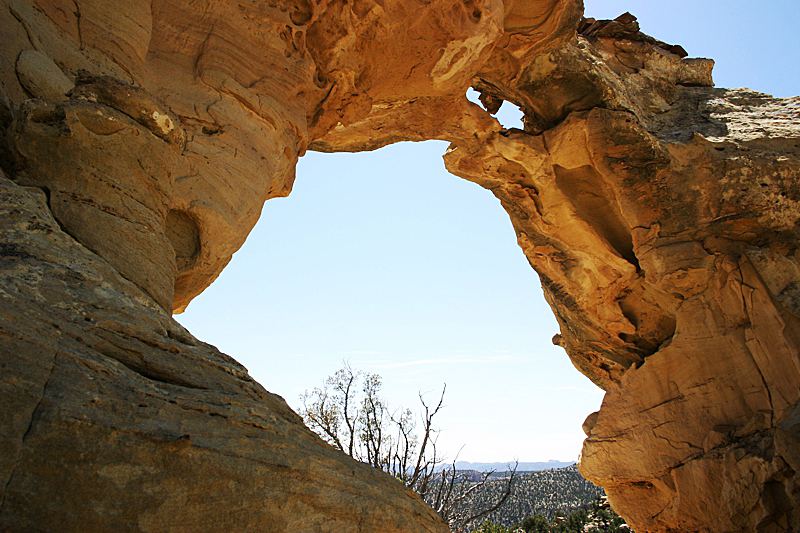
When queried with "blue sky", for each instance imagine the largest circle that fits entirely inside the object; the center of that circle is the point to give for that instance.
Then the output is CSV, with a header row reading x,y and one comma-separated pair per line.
x,y
388,261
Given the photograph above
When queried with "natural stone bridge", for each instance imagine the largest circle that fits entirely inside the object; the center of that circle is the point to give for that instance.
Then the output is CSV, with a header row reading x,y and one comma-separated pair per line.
x,y
141,138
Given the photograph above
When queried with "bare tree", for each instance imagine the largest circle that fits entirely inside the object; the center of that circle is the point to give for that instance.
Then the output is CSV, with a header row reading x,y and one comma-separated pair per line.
x,y
460,499
349,413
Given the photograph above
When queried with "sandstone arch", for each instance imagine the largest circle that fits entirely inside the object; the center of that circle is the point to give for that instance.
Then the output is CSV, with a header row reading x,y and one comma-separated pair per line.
x,y
661,214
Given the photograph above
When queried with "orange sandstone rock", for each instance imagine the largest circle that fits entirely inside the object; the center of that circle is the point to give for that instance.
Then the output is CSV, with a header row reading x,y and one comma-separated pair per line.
x,y
141,139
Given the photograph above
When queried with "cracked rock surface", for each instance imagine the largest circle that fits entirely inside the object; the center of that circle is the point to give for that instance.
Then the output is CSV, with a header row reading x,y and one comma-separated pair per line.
x,y
141,139
116,419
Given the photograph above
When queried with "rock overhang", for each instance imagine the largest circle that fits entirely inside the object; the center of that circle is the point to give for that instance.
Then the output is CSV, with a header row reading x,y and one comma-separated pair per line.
x,y
660,213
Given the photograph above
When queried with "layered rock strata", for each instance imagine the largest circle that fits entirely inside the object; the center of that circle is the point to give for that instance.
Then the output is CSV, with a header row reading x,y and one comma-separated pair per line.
x,y
673,277
662,217
116,419
141,140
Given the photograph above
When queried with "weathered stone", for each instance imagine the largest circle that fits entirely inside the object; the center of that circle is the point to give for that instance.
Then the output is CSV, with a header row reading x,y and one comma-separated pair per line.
x,y
41,77
116,205
661,214
116,419
663,221
149,178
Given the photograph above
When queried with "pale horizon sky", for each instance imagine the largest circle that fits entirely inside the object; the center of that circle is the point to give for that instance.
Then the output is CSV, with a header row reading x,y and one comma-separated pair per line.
x,y
386,260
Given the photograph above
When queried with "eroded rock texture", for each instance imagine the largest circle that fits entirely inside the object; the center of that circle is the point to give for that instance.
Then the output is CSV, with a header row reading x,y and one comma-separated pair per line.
x,y
142,138
116,419
662,217
140,142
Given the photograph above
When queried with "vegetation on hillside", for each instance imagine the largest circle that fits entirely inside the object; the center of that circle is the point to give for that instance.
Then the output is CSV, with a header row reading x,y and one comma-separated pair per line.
x,y
597,517
349,413
545,492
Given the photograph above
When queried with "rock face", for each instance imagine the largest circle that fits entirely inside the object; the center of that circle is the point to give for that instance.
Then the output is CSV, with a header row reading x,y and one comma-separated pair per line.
x,y
141,139
116,419
673,277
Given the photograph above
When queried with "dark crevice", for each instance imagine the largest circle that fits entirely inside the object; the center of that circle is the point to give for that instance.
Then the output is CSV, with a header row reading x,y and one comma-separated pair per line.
x,y
136,363
558,293
31,424
678,398
155,375
12,250
183,233
654,327
7,164
183,337
48,195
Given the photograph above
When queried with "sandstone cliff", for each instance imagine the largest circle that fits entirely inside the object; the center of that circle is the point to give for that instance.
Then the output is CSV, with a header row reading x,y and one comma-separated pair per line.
x,y
141,139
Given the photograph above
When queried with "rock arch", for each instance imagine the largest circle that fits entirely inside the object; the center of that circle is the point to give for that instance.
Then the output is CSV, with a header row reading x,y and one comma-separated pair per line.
x,y
142,139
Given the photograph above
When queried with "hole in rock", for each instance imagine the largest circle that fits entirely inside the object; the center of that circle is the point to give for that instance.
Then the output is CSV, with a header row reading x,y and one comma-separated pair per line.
x,y
509,115
388,261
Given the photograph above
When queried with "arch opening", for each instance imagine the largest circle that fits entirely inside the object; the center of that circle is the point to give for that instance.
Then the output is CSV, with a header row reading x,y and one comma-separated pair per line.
x,y
507,113
388,261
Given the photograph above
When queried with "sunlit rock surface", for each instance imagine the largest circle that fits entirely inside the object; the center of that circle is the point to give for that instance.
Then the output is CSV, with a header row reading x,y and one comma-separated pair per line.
x,y
662,216
140,140
116,419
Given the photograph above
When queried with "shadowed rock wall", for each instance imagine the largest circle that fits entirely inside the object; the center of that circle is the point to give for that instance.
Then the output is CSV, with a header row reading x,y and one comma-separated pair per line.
x,y
141,140
116,419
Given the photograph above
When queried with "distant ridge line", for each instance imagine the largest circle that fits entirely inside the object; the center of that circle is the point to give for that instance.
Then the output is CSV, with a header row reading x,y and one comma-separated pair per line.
x,y
521,467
